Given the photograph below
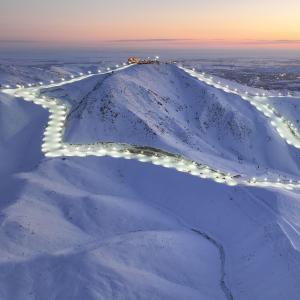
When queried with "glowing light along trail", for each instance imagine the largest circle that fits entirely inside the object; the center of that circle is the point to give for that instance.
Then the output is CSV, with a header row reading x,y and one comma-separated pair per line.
x,y
54,146
284,127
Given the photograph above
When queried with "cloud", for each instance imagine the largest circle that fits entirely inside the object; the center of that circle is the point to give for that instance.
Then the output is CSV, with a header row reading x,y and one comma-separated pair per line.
x,y
270,42
18,41
166,40
249,42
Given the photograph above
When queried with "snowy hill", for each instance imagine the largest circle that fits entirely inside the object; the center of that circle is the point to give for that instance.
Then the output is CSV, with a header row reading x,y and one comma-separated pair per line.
x,y
104,228
161,106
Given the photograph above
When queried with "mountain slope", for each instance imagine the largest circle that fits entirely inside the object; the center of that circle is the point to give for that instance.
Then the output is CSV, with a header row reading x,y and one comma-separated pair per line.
x,y
161,106
104,228
120,229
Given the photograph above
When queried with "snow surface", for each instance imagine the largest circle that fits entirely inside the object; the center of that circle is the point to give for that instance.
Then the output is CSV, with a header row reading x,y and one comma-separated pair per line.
x,y
103,228
180,115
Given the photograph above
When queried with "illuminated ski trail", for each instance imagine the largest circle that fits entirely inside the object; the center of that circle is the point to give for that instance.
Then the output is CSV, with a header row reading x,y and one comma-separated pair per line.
x,y
285,128
54,146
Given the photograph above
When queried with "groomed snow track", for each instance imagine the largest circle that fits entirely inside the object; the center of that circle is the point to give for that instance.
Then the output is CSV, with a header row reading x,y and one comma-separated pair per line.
x,y
54,146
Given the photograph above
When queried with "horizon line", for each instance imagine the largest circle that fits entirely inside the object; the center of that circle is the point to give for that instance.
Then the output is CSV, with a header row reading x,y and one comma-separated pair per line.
x,y
190,42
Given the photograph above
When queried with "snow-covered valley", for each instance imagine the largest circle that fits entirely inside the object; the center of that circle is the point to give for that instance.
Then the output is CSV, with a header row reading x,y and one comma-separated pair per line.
x,y
107,228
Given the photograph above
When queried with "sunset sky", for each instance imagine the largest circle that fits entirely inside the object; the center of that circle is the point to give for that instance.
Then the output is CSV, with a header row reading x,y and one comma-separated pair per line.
x,y
183,23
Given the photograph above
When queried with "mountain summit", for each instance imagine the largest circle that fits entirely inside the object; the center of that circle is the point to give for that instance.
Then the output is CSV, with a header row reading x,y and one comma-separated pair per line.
x,y
162,106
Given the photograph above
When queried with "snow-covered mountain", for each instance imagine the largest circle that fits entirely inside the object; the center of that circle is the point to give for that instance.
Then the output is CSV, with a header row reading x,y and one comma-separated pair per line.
x,y
104,228
161,106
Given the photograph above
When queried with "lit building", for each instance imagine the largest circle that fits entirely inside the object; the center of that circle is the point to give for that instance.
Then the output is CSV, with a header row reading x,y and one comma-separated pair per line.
x,y
133,60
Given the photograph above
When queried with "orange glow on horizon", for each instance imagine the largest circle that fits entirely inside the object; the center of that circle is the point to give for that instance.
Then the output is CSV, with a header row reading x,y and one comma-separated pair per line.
x,y
168,23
